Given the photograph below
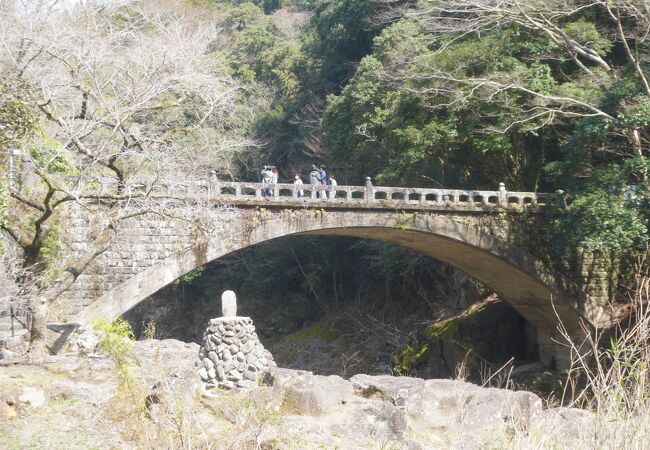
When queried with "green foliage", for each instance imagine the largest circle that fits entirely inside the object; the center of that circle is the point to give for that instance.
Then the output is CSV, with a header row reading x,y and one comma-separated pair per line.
x,y
610,214
116,339
190,276
587,32
50,156
16,119
49,255
410,358
342,34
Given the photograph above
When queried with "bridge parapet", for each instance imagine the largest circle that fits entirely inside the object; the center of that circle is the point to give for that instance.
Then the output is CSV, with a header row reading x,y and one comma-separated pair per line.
x,y
367,196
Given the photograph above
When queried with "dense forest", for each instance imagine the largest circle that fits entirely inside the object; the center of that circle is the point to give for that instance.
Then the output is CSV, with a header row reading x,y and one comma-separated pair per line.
x,y
548,96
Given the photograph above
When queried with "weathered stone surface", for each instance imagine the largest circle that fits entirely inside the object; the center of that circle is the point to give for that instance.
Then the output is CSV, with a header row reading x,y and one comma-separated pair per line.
x,y
396,390
310,395
567,425
379,420
203,373
246,384
84,340
250,375
33,397
248,346
234,375
450,403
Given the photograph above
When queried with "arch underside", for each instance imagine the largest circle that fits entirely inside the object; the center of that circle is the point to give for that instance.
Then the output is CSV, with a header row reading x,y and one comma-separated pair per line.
x,y
520,279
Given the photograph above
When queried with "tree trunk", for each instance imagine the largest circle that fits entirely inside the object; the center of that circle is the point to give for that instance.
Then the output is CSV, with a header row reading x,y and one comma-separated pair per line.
x,y
39,309
635,140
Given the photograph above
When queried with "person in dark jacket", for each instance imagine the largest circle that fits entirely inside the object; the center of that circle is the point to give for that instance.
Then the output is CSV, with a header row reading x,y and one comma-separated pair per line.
x,y
314,179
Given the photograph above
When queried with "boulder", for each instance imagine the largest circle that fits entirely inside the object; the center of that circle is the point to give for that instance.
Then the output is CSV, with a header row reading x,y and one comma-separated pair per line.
x,y
306,394
84,340
563,425
396,390
379,420
447,404
33,397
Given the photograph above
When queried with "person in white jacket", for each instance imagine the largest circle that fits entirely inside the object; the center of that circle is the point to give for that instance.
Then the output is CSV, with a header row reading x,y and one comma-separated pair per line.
x,y
333,183
298,183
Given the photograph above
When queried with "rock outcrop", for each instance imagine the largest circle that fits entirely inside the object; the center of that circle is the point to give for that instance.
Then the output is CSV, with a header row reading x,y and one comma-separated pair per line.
x,y
402,412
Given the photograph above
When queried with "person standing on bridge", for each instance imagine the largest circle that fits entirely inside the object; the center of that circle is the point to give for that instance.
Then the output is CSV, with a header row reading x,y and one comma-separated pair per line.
x,y
333,183
298,183
274,175
314,178
267,176
322,177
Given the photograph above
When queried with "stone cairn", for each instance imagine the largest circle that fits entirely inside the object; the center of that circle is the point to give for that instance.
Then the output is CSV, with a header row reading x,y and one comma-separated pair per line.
x,y
231,354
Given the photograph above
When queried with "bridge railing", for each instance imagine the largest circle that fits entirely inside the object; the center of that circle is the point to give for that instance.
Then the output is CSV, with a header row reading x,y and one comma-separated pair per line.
x,y
368,194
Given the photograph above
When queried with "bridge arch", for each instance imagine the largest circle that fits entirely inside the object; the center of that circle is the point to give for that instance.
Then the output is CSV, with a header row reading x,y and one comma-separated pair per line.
x,y
468,242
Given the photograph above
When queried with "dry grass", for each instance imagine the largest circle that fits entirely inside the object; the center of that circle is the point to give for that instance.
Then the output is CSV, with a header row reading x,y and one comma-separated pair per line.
x,y
610,382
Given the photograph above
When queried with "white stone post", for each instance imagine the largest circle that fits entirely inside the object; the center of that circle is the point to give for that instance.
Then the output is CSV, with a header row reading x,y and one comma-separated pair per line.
x,y
228,304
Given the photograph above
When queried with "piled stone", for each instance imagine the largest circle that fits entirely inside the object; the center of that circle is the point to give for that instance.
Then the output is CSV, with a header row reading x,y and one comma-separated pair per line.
x,y
232,354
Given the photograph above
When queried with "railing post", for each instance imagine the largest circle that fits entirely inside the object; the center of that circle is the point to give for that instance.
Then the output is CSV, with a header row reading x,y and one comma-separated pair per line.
x,y
370,191
503,194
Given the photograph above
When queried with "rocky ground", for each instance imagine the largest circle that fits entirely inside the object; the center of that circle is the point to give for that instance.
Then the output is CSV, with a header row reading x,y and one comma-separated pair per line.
x,y
78,402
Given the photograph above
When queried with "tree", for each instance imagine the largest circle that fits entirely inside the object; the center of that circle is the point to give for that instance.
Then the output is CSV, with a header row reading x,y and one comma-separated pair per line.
x,y
590,48
118,94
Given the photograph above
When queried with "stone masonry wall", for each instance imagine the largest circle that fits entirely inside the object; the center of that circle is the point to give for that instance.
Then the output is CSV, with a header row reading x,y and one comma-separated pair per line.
x,y
140,243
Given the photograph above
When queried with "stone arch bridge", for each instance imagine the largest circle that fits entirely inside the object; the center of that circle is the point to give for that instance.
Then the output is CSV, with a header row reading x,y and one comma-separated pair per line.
x,y
470,230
